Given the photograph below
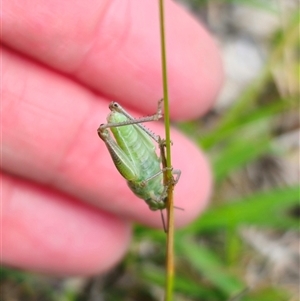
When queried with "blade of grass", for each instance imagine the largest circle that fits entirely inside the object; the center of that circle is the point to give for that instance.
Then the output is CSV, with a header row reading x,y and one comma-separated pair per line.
x,y
263,208
244,144
208,265
250,116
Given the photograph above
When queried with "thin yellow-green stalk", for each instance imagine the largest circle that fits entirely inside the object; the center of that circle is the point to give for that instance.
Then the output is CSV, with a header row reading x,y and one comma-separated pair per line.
x,y
167,161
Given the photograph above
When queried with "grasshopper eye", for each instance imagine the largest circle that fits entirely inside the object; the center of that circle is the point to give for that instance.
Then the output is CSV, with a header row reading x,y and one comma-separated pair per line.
x,y
114,106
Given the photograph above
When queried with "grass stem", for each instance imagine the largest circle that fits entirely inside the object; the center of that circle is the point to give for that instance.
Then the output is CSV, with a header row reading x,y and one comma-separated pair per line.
x,y
167,174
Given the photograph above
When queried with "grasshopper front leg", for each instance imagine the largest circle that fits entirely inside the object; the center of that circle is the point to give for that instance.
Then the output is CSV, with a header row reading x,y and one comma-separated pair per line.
x,y
177,172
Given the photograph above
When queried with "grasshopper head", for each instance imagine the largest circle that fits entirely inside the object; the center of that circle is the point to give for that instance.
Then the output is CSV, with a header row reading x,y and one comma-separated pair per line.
x,y
157,203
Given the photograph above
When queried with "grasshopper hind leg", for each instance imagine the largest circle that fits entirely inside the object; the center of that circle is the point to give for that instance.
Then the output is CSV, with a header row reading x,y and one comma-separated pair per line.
x,y
116,107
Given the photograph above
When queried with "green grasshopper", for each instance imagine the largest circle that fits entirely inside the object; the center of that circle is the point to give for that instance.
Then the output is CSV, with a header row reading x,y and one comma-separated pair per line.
x,y
133,153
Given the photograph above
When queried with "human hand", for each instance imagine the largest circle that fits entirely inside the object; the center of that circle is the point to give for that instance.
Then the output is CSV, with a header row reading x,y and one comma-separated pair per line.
x,y
65,208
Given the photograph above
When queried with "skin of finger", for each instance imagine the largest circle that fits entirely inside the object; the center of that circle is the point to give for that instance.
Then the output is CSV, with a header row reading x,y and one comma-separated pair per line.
x,y
49,232
49,136
114,48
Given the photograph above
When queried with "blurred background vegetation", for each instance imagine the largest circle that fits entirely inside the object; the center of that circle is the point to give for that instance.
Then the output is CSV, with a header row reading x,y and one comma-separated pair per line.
x,y
246,245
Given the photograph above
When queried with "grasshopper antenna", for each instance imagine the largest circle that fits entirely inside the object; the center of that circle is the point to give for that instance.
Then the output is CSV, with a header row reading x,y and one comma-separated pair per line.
x,y
163,217
179,208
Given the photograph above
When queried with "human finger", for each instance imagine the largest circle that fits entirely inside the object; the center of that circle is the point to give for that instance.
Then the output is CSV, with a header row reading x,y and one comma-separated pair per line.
x,y
47,231
113,47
